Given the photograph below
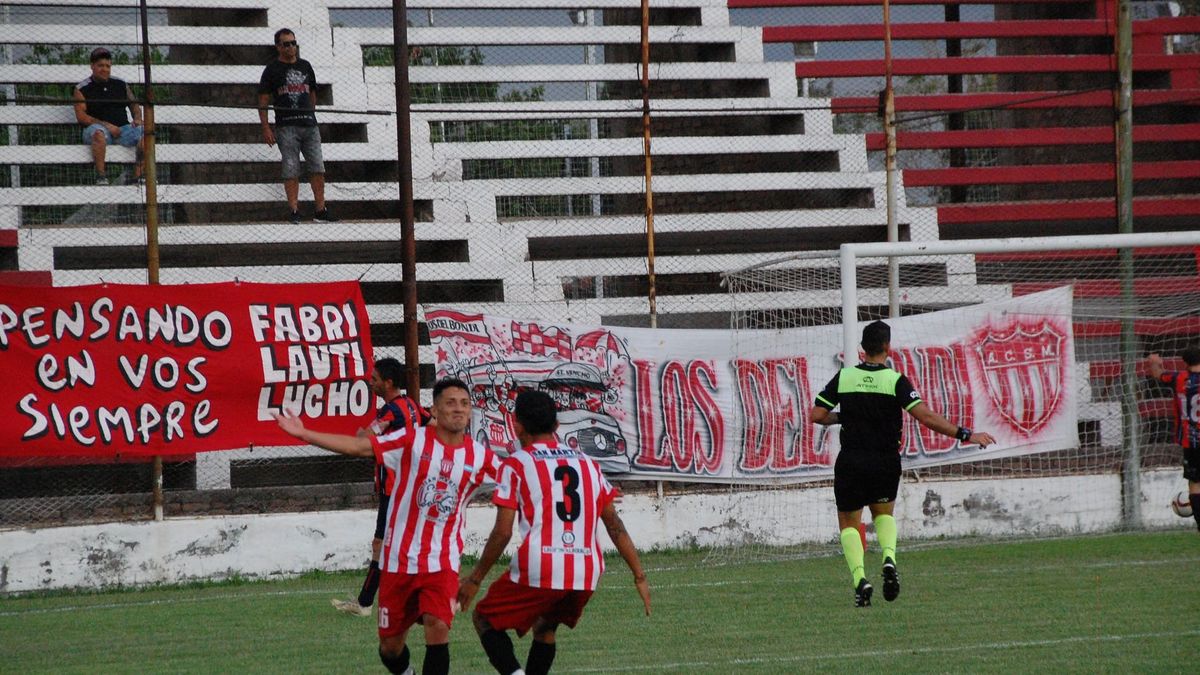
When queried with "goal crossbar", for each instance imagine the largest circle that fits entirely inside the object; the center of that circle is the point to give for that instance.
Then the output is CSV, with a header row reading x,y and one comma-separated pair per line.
x,y
850,254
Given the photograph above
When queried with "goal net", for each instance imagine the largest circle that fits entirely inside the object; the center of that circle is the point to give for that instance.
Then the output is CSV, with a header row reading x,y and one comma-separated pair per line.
x,y
995,311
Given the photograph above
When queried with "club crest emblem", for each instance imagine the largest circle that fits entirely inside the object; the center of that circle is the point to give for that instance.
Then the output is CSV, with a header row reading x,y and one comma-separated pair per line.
x,y
1024,372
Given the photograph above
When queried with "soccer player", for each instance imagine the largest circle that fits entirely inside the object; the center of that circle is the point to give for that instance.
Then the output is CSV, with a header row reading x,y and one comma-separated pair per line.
x,y
867,470
398,412
434,470
558,494
1185,384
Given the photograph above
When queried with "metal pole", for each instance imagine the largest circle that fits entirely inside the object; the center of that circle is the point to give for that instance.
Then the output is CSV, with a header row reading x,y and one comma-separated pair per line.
x,y
889,129
151,214
408,264
652,292
1131,484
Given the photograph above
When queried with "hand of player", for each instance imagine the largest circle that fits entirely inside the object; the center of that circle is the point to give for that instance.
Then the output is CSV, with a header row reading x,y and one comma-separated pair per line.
x,y
269,136
981,439
643,589
113,129
289,422
466,593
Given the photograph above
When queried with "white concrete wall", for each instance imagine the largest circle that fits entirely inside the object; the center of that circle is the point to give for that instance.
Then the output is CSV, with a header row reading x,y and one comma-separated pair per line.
x,y
264,546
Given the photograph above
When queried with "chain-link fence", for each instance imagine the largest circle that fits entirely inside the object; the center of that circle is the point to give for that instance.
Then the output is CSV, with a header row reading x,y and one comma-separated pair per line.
x,y
530,171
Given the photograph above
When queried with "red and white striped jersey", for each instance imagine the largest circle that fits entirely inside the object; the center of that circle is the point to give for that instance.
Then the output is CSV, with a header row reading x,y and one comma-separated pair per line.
x,y
431,485
558,494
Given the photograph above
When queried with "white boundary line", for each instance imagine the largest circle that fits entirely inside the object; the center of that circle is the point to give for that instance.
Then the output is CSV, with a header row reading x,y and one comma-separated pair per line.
x,y
900,651
928,573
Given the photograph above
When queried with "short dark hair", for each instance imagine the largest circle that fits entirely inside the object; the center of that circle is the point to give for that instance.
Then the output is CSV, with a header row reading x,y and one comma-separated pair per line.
x,y
283,31
1191,355
536,412
447,383
100,53
875,337
391,370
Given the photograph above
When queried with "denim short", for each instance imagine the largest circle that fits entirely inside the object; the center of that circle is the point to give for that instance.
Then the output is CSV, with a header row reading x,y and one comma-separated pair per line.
x,y
130,135
294,140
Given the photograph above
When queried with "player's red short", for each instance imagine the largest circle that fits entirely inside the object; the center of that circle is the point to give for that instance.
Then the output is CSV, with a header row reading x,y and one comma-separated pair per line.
x,y
512,606
403,598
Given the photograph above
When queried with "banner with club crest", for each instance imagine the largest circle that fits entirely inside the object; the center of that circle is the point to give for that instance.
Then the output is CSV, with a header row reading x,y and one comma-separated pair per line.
x,y
735,405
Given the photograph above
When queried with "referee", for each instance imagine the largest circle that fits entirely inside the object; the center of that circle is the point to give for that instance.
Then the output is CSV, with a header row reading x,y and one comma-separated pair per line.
x,y
867,471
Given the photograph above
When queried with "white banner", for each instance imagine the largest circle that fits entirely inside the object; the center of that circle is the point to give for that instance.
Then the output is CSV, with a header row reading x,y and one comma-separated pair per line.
x,y
716,404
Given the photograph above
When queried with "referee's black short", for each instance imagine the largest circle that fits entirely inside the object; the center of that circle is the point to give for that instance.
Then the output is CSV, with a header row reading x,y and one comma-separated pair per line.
x,y
381,516
862,477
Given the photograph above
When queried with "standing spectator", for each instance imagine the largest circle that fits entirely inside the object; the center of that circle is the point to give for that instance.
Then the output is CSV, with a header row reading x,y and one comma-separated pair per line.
x,y
558,494
398,413
100,103
1185,385
435,471
867,470
290,86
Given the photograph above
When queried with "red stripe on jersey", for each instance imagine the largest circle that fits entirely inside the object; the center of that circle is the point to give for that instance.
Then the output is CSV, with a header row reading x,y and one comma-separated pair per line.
x,y
568,569
590,574
545,534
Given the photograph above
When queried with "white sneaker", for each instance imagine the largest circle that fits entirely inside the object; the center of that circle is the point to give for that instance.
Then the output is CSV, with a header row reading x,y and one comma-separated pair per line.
x,y
350,607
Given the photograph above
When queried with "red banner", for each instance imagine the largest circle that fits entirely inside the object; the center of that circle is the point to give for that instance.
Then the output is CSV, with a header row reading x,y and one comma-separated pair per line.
x,y
113,370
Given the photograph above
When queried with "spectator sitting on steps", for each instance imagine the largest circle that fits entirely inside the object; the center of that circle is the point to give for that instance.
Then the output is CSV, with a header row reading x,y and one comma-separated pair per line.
x,y
100,103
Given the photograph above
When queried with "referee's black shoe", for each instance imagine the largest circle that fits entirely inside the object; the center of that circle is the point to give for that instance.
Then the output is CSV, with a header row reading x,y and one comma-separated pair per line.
x,y
891,580
862,594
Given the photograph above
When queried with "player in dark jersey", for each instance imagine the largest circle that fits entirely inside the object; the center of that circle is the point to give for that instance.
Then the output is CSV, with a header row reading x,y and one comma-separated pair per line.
x,y
1185,386
867,471
398,413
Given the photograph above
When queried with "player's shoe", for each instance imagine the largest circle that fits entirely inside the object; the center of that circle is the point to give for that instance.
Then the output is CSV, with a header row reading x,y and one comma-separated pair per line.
x,y
891,580
862,594
350,607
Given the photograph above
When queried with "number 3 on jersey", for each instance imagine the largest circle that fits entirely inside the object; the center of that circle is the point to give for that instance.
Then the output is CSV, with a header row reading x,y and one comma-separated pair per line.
x,y
570,506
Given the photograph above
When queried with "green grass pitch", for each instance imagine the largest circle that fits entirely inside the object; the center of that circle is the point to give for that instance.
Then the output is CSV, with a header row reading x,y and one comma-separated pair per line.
x,y
1114,603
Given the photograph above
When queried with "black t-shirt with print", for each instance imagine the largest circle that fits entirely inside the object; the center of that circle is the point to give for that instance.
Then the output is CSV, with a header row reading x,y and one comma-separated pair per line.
x,y
290,84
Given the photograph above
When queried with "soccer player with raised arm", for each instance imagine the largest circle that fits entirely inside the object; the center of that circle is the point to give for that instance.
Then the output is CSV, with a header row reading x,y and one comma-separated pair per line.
x,y
397,413
435,470
1185,385
867,470
559,496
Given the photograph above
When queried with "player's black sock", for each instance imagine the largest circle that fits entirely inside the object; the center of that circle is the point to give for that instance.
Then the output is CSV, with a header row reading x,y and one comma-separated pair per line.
x,y
395,664
366,597
541,657
499,649
437,659
1195,499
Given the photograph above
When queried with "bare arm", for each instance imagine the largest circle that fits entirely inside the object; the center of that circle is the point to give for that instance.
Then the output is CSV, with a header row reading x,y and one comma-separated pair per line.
x,y
943,426
354,446
496,543
624,544
1154,365
264,102
134,109
823,416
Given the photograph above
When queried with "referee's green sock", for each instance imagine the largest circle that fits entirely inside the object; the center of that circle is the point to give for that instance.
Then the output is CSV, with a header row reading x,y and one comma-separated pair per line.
x,y
885,530
852,549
